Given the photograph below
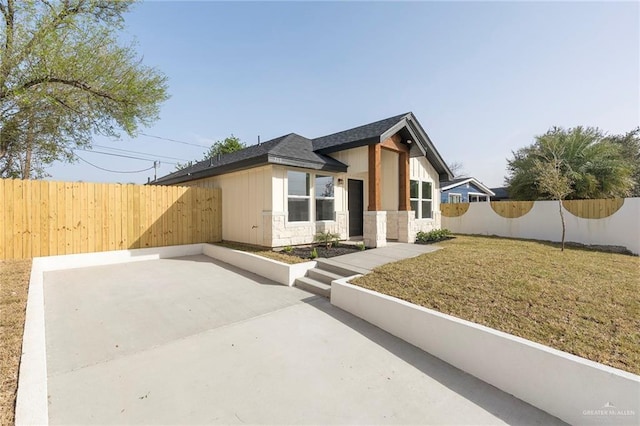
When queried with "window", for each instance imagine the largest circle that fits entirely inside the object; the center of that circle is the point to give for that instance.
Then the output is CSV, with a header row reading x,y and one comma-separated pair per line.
x,y
298,196
426,200
420,197
324,197
414,195
455,198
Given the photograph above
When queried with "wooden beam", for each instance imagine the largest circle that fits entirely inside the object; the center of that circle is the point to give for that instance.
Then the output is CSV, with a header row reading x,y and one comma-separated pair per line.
x,y
394,143
403,182
375,157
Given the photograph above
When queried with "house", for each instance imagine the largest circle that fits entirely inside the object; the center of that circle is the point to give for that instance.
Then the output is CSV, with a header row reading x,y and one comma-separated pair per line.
x,y
501,194
464,190
377,182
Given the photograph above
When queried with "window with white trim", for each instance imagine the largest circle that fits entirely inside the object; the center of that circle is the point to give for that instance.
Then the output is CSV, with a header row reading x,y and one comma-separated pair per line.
x,y
324,197
299,199
455,198
420,197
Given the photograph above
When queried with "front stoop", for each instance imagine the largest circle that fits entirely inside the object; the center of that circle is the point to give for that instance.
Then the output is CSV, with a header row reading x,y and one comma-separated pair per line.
x,y
318,280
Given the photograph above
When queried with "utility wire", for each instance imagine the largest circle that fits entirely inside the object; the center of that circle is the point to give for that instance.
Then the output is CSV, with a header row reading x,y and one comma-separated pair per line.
x,y
112,171
138,152
121,155
174,140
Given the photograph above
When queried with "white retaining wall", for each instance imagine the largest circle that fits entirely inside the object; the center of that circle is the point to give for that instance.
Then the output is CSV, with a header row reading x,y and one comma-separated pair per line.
x,y
574,389
543,223
279,272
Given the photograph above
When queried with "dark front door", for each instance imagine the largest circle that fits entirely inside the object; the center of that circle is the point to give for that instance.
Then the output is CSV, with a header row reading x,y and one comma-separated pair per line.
x,y
356,206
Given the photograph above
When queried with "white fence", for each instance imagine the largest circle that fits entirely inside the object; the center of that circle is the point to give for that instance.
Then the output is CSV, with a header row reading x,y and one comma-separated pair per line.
x,y
542,222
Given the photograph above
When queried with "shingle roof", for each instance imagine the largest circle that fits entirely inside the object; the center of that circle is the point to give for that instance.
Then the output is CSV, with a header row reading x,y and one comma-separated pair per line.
x,y
291,149
365,133
297,151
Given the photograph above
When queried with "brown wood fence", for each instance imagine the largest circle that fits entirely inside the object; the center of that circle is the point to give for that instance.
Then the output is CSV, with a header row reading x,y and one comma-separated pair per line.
x,y
586,209
42,218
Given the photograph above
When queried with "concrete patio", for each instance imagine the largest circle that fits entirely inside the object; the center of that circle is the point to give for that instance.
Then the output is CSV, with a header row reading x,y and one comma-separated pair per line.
x,y
193,341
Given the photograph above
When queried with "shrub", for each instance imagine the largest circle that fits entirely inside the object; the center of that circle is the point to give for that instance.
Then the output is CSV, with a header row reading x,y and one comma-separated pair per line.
x,y
361,246
433,236
314,253
287,249
326,238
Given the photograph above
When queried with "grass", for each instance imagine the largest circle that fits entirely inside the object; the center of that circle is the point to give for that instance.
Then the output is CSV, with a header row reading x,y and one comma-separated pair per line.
x,y
580,301
14,283
264,252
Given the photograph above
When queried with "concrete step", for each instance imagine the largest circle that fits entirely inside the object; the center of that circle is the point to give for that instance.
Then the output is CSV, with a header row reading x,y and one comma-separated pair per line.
x,y
313,286
323,276
338,268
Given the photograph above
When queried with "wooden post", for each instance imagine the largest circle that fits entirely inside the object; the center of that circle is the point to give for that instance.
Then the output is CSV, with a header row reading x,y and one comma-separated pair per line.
x,y
403,181
375,157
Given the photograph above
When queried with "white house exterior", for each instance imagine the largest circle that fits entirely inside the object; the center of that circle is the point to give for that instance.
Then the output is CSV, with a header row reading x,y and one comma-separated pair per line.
x,y
377,182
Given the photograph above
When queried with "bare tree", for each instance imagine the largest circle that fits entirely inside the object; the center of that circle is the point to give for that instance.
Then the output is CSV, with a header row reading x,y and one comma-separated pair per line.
x,y
552,180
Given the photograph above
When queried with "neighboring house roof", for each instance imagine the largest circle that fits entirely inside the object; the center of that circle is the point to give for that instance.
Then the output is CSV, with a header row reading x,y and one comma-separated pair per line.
x,y
446,185
297,151
501,193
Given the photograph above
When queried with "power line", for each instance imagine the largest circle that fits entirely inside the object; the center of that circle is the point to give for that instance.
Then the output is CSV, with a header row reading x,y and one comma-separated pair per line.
x,y
121,155
138,152
113,171
174,140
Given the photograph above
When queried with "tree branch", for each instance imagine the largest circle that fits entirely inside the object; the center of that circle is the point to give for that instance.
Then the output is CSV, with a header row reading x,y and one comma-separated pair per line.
x,y
68,82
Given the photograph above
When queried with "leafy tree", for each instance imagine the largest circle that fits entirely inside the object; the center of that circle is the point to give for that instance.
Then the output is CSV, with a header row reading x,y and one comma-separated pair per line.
x,y
594,166
64,78
227,146
629,144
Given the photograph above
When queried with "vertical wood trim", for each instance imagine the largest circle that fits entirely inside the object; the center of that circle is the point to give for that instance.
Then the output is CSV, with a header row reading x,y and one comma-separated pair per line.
x,y
374,177
403,181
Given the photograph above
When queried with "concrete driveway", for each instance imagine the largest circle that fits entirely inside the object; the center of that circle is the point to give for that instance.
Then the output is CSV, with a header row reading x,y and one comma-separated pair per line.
x,y
195,341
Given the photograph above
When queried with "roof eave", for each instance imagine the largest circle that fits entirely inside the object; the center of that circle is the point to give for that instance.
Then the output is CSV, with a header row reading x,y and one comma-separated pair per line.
x,y
348,145
428,147
216,171
476,182
307,164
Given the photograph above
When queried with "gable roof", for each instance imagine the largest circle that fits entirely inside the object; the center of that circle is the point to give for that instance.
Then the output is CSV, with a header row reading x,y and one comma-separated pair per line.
x,y
446,185
405,124
297,151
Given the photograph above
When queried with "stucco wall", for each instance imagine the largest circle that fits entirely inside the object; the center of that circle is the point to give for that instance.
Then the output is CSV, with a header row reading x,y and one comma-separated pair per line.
x,y
622,228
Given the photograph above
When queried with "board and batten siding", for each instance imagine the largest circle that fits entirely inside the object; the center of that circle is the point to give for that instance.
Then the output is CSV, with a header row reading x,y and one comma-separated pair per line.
x,y
421,169
246,195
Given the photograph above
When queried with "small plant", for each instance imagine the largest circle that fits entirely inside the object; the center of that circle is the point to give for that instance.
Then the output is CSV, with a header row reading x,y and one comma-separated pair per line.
x,y
327,238
314,253
287,249
360,246
433,236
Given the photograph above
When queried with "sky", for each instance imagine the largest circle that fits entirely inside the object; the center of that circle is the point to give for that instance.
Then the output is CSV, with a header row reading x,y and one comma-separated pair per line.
x,y
483,78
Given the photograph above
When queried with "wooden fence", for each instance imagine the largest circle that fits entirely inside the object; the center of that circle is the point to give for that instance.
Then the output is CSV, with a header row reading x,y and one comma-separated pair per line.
x,y
42,218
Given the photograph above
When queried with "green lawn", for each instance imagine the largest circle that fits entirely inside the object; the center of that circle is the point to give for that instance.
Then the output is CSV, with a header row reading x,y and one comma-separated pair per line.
x,y
579,301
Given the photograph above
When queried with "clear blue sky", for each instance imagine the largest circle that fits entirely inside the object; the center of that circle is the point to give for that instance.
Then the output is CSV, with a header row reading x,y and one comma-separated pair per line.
x,y
482,78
